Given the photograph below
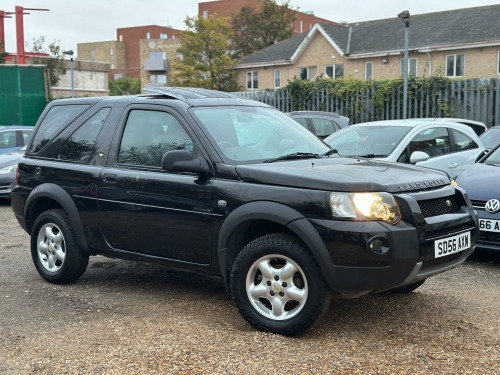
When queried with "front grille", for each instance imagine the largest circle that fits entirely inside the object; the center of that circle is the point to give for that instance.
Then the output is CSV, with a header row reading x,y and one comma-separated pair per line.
x,y
490,237
4,187
438,206
431,263
447,231
478,204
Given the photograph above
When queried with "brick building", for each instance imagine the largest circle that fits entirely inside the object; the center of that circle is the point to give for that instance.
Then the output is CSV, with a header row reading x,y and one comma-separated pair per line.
x,y
124,53
374,50
156,57
227,8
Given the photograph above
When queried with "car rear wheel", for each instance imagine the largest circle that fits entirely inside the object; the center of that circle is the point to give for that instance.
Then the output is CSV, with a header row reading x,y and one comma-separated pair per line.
x,y
54,249
278,286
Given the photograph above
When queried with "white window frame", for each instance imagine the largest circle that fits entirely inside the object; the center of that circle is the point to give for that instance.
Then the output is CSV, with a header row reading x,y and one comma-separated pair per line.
x,y
401,63
163,36
367,78
454,65
277,78
498,62
205,14
148,35
334,70
249,84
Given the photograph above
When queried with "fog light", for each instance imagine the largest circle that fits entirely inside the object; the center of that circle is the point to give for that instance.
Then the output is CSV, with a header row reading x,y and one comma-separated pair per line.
x,y
379,245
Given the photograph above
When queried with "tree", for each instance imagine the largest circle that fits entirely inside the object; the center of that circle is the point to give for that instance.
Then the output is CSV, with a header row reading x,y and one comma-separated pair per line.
x,y
2,54
205,59
124,86
55,61
256,29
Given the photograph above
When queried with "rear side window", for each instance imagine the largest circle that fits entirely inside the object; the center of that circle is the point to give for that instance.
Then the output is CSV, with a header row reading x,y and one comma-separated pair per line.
x,y
54,122
26,135
463,142
324,127
8,139
148,135
80,145
301,121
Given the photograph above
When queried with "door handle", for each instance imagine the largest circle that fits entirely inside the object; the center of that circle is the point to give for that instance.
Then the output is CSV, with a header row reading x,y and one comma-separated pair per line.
x,y
109,178
453,165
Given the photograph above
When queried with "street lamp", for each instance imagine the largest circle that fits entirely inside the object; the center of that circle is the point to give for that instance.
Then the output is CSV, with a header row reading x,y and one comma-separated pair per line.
x,y
405,16
70,54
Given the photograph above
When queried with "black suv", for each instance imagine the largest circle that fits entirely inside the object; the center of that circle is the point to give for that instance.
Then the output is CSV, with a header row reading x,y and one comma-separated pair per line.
x,y
204,181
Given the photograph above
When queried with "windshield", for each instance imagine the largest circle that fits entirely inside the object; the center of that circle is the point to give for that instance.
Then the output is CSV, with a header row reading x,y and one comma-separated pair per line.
x,y
369,141
491,138
255,134
493,157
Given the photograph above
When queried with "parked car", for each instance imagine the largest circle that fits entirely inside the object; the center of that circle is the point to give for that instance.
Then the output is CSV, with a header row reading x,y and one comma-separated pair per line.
x,y
478,126
321,124
8,166
482,181
14,137
491,138
213,183
448,146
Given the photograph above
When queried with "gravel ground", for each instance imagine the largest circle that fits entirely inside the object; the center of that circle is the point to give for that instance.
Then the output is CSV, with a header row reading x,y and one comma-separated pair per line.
x,y
129,318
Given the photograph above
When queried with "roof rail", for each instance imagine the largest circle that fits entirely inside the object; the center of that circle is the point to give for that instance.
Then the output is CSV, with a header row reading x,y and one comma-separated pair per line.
x,y
187,93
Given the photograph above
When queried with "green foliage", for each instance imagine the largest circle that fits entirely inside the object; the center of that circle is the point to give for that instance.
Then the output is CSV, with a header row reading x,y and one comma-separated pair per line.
x,y
2,55
256,29
205,61
357,97
124,86
55,63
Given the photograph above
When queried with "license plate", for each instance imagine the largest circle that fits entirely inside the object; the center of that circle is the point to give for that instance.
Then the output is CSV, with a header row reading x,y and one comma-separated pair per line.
x,y
489,225
450,245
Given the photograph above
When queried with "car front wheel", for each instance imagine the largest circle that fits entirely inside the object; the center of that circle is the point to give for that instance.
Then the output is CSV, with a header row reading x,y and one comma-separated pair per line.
x,y
278,286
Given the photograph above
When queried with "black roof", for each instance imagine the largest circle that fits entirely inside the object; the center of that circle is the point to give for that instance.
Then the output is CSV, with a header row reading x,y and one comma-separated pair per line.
x,y
449,28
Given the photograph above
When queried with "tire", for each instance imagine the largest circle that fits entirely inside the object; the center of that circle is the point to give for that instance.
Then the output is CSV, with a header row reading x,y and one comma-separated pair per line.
x,y
54,248
406,288
278,286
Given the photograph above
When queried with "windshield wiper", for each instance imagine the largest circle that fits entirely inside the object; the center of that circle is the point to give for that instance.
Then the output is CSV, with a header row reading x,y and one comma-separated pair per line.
x,y
329,152
295,155
368,156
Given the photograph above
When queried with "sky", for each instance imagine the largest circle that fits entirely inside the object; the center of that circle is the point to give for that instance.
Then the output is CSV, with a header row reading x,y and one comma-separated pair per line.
x,y
69,22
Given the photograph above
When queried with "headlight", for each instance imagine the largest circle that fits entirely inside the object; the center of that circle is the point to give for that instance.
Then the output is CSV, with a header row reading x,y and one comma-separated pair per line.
x,y
453,182
8,169
365,206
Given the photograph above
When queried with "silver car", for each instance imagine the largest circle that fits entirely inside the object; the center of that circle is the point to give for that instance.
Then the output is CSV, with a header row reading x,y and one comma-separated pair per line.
x,y
445,145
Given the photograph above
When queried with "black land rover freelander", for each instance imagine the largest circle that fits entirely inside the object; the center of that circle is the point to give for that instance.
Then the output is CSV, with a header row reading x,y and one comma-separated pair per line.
x,y
205,181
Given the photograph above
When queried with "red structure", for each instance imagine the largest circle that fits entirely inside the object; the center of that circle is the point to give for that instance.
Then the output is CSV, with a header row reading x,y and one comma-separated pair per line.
x,y
3,15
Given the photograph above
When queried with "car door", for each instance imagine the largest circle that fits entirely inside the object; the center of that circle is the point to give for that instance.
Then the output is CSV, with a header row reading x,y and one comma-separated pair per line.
x,y
434,141
147,210
466,150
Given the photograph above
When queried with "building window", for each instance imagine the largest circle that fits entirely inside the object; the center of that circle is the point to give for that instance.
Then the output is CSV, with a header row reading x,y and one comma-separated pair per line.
x,y
205,14
163,36
334,71
111,54
412,67
148,35
252,80
160,79
158,55
119,75
173,36
92,55
277,78
368,71
455,65
304,73
180,56
120,38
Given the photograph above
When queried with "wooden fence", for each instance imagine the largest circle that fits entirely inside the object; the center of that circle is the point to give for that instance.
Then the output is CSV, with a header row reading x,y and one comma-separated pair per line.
x,y
473,99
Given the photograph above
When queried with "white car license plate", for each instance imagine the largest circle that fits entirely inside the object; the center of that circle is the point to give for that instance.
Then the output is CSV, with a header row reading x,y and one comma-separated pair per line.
x,y
489,225
450,245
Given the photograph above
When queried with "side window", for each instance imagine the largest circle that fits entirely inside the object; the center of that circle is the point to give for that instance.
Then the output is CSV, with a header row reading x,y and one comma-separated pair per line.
x,y
26,135
463,142
80,145
54,121
433,141
323,127
301,121
8,139
148,135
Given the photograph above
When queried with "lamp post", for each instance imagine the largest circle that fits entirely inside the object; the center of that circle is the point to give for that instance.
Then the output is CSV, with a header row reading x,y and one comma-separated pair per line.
x,y
70,54
405,16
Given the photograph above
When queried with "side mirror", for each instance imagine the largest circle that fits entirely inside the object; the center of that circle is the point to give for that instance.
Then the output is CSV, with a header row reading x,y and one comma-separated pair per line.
x,y
183,161
418,156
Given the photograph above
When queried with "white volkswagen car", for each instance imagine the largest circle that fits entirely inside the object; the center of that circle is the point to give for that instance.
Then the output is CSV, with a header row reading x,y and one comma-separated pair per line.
x,y
435,143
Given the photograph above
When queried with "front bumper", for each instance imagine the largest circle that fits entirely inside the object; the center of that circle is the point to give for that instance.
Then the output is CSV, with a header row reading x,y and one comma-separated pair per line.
x,y
407,252
6,184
